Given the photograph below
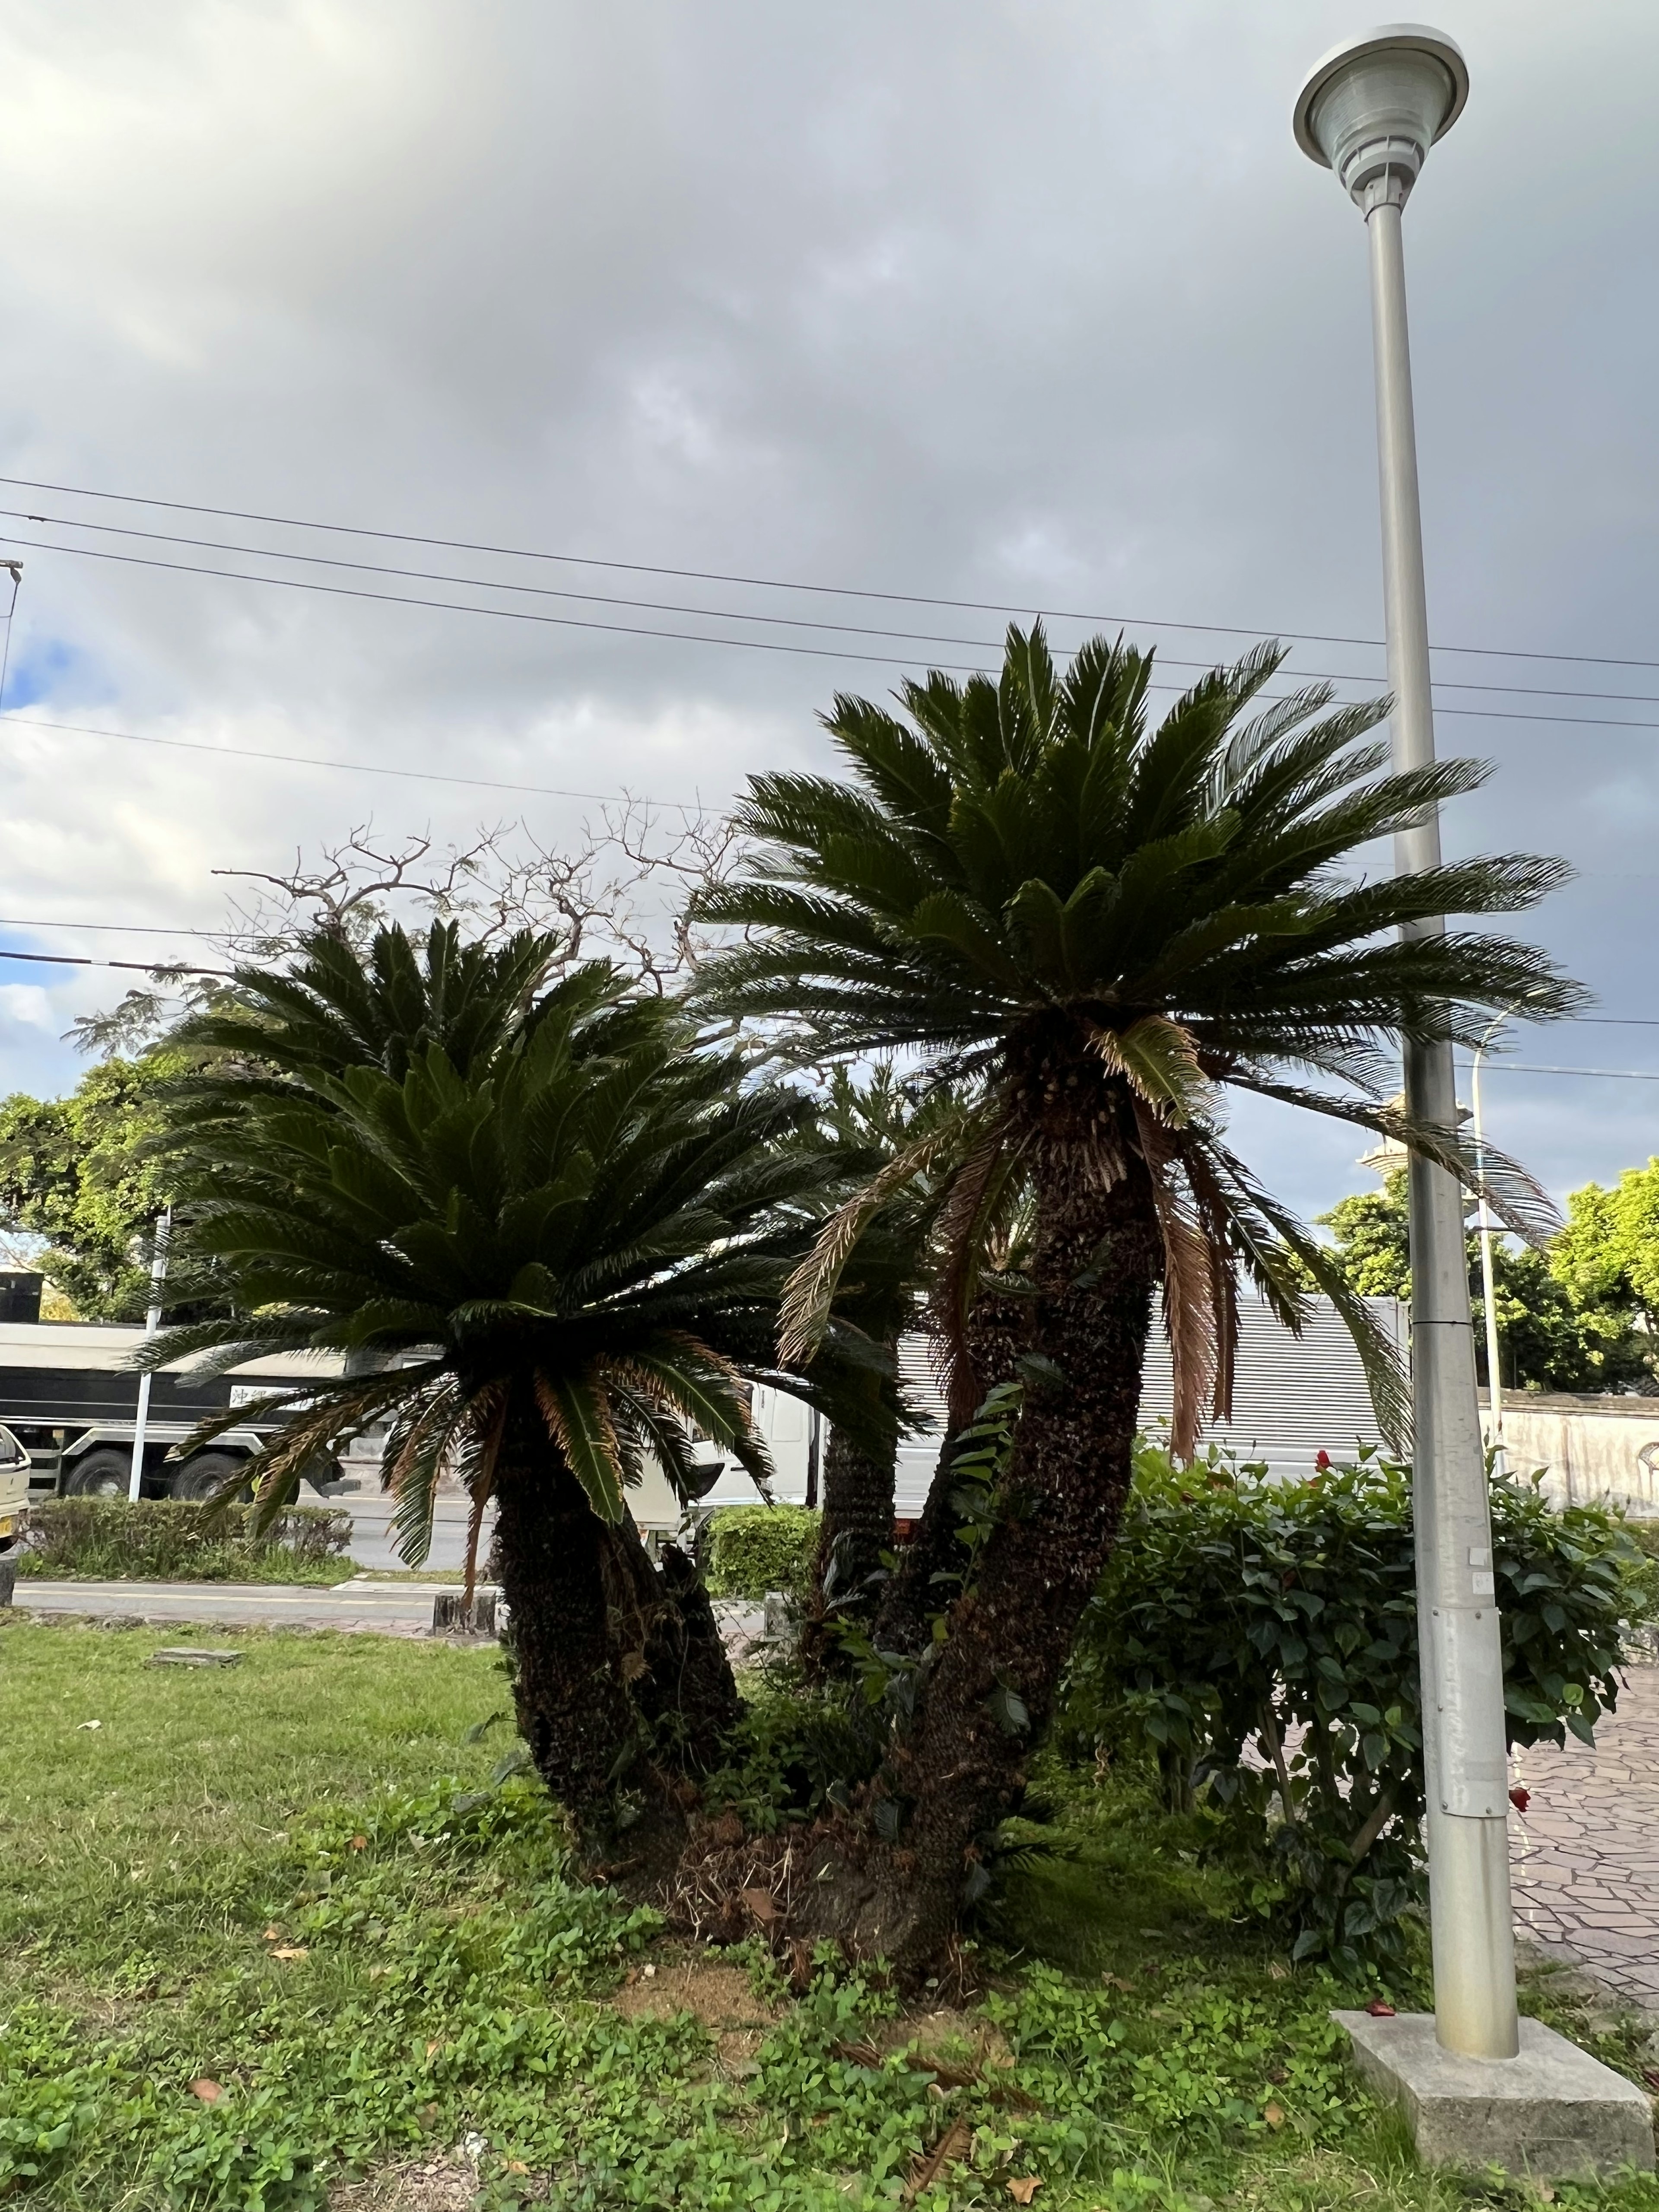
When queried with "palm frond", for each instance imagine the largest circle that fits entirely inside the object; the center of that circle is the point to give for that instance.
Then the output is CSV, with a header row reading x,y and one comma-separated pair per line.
x,y
810,1292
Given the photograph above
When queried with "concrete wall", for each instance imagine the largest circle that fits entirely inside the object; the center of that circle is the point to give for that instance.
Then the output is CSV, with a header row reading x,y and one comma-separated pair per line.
x,y
1599,1449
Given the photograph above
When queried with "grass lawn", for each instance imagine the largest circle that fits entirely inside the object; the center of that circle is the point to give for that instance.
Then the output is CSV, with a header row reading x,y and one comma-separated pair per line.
x,y
270,1939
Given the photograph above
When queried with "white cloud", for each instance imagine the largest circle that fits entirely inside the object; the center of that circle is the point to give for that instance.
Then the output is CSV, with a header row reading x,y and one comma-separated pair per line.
x,y
28,1003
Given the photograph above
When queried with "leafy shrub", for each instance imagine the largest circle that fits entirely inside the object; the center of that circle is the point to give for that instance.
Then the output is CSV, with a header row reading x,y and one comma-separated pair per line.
x,y
755,1548
172,1540
1260,1640
789,1757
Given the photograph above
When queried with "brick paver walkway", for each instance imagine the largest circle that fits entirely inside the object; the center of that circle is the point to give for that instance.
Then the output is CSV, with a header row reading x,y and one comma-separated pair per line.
x,y
1585,1854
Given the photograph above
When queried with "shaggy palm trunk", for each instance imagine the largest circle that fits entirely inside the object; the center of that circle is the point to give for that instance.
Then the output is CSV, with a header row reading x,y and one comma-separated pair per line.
x,y
961,1767
855,1529
915,1592
574,1709
621,1681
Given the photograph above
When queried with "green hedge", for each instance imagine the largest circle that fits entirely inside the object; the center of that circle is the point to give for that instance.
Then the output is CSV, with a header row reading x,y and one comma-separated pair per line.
x,y
755,1548
169,1540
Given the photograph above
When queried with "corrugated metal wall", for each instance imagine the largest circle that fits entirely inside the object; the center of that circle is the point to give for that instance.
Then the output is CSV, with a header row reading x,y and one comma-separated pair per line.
x,y
1295,1395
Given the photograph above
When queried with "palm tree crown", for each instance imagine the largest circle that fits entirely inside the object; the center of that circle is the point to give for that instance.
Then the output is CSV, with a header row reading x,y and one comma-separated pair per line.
x,y
1028,880
418,1154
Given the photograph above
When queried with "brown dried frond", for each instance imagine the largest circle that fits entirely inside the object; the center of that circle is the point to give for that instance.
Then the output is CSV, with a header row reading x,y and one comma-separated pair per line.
x,y
926,2166
482,1484
810,1292
725,1887
1191,1320
959,1230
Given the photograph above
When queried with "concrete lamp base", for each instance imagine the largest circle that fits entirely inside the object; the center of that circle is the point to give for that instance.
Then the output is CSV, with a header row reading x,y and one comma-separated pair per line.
x,y
1551,2114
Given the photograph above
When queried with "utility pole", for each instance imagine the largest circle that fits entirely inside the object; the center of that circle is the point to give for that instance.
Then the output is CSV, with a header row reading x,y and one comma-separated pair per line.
x,y
1370,111
158,1273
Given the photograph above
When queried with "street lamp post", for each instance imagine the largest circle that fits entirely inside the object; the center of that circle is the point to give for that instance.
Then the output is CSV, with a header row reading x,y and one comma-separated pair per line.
x,y
1370,111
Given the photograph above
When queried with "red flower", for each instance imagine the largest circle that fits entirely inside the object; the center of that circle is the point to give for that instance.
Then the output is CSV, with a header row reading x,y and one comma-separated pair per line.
x,y
1520,1798
1323,1461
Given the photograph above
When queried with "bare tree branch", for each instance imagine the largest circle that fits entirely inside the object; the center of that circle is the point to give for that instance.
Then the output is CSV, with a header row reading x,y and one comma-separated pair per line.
x,y
618,890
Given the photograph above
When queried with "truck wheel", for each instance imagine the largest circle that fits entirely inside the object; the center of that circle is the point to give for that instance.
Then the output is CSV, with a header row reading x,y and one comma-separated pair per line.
x,y
200,1476
102,1473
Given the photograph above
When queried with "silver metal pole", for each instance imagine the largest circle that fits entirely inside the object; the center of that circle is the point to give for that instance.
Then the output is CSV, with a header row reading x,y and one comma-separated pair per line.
x,y
158,1271
1488,1290
1465,1756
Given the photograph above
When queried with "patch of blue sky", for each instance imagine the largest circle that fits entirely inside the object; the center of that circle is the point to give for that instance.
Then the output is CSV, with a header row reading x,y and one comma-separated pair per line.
x,y
43,668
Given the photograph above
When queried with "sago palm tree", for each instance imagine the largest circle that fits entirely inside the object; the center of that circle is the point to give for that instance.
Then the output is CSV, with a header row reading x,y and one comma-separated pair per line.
x,y
548,1231
889,1243
1107,923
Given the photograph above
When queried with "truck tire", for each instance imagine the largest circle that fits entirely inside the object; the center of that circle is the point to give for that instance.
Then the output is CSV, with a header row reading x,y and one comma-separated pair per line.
x,y
101,1474
200,1477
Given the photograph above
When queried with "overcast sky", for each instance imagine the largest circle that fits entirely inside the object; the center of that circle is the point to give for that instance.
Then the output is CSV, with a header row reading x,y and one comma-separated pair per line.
x,y
1032,304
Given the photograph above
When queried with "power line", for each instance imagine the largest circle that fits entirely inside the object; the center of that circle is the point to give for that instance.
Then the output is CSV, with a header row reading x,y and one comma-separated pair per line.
x,y
138,967
1611,1075
784,584
349,768
120,929
711,614
698,637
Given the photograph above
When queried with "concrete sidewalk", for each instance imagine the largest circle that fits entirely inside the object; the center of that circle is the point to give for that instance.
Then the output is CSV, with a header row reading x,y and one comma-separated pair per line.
x,y
375,1608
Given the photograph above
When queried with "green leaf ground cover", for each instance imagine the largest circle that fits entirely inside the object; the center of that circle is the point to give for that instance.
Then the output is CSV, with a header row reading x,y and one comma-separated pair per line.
x,y
292,1881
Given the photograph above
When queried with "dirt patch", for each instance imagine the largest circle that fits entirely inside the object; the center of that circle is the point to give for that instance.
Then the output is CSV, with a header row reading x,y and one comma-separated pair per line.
x,y
439,2184
947,2038
719,1996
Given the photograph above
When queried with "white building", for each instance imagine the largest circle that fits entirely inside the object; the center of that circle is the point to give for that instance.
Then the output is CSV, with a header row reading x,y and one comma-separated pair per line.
x,y
1295,1396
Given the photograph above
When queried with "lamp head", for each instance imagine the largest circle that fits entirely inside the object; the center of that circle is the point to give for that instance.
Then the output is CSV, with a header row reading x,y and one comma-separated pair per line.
x,y
1371,109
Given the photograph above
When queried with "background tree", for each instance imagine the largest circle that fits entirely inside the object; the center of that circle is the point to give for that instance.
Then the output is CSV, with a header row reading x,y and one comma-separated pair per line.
x,y
888,1284
1608,1254
1566,1318
72,1171
1107,924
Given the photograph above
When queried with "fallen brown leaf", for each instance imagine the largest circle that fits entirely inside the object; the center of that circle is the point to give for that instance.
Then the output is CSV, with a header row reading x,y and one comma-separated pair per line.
x,y
207,2091
926,2167
271,1936
762,1904
516,2166
858,2054
1009,2092
1025,2188
360,1843
1379,2010
1274,2115
290,1951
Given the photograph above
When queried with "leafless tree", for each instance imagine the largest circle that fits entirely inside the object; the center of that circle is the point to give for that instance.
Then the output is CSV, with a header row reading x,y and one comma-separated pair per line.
x,y
618,890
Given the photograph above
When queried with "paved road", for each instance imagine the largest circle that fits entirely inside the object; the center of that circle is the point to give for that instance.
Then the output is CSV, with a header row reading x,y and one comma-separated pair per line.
x,y
372,1545
1584,1855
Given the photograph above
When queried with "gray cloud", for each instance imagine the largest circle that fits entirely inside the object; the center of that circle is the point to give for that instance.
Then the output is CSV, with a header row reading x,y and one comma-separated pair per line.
x,y
1037,304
